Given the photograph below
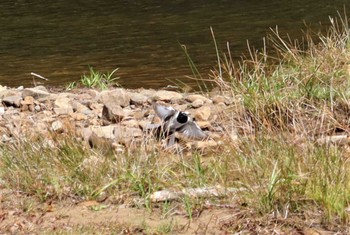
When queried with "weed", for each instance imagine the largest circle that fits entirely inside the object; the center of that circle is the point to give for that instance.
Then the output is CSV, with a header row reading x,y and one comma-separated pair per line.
x,y
96,79
100,80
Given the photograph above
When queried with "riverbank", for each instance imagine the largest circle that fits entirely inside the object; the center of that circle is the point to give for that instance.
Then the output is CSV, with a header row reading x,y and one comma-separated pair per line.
x,y
276,160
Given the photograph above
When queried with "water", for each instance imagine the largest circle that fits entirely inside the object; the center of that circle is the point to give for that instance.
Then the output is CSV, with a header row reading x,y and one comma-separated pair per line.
x,y
61,40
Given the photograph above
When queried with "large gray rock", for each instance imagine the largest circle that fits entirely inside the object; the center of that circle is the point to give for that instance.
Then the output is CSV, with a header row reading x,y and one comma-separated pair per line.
x,y
118,96
14,101
112,113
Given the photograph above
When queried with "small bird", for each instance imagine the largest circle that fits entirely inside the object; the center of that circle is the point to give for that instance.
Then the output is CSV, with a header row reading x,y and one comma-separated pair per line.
x,y
176,121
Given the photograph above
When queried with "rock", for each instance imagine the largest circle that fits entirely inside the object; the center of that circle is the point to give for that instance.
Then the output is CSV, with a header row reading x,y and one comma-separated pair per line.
x,y
85,133
131,123
140,114
57,126
112,112
203,124
27,104
106,132
96,108
81,108
197,103
137,98
14,101
193,97
203,113
148,92
167,95
118,96
100,142
126,134
3,88
218,99
2,110
28,100
36,92
62,105
78,116
41,88
8,92
37,108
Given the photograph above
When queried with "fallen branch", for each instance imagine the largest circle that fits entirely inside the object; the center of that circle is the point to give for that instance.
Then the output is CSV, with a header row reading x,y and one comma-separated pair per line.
x,y
168,195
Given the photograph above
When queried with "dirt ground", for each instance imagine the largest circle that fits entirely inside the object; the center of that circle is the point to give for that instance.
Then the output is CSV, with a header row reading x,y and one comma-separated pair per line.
x,y
21,214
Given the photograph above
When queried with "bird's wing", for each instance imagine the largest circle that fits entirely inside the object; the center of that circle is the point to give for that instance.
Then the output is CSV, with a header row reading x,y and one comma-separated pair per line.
x,y
192,131
152,126
162,111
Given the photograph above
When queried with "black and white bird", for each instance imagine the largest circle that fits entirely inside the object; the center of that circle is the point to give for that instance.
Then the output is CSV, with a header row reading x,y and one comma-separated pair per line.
x,y
176,121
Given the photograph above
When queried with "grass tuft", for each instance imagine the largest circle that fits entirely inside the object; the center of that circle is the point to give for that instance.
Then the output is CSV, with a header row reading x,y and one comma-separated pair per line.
x,y
96,79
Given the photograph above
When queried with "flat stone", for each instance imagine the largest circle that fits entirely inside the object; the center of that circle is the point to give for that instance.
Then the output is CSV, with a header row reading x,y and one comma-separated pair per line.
x,y
167,95
14,101
118,96
137,98
36,93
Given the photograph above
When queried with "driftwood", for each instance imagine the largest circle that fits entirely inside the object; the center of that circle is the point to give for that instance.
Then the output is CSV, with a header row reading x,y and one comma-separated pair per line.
x,y
336,139
169,195
39,76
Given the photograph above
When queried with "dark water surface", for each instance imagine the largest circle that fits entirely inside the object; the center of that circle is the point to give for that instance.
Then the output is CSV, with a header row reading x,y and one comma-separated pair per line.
x,y
60,40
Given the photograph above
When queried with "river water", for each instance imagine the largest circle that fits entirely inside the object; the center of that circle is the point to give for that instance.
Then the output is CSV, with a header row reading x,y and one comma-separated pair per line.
x,y
60,40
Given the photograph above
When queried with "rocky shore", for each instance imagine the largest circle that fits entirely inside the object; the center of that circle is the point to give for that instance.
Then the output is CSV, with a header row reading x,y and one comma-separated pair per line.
x,y
116,117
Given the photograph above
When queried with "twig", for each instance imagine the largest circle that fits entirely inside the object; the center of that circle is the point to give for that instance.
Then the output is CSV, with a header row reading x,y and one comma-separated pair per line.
x,y
38,76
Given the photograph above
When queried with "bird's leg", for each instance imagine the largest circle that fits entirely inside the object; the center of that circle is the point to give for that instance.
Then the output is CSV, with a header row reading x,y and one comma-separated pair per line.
x,y
171,140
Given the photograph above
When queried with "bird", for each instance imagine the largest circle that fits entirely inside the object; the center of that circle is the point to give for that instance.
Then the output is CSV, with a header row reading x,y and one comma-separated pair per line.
x,y
176,121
